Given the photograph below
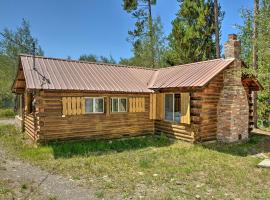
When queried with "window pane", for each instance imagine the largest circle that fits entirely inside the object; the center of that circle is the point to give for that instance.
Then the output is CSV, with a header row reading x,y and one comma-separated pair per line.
x,y
89,105
114,105
169,107
98,105
122,105
177,108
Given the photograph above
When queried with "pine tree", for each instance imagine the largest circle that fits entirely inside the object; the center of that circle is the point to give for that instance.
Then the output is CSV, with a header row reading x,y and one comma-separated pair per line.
x,y
142,11
191,39
94,58
217,28
20,41
13,44
245,35
255,55
263,70
142,49
262,42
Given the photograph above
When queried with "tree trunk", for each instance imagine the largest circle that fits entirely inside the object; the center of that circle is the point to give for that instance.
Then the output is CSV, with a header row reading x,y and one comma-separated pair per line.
x,y
151,35
216,13
254,57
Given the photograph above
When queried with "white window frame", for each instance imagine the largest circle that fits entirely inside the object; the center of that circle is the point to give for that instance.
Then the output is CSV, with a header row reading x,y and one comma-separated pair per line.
x,y
173,107
94,101
118,100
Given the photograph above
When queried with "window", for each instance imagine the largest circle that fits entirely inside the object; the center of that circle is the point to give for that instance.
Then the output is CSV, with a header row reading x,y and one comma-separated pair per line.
x,y
94,105
119,104
172,107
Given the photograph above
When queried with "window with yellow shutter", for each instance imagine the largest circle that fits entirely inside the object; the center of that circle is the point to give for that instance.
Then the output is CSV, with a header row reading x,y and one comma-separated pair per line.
x,y
81,105
177,107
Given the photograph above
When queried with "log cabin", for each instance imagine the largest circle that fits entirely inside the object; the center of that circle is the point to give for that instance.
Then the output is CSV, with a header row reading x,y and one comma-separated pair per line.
x,y
61,99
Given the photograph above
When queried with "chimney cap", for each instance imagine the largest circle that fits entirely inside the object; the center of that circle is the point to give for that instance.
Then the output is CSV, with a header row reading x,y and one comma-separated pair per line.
x,y
232,37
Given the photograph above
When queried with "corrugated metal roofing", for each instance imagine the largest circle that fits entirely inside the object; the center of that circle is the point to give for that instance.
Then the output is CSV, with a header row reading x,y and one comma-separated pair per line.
x,y
190,75
79,75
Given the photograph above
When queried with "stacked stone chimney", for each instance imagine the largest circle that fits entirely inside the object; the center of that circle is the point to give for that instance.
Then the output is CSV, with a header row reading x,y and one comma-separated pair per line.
x,y
233,108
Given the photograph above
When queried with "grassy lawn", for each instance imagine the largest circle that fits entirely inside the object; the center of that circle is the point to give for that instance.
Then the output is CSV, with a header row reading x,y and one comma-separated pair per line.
x,y
153,167
6,113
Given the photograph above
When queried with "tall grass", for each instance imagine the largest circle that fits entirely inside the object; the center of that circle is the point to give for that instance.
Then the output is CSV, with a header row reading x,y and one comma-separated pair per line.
x,y
99,147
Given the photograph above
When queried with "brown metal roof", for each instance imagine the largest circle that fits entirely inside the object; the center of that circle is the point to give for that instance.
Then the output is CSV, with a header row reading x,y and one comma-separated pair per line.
x,y
190,75
79,75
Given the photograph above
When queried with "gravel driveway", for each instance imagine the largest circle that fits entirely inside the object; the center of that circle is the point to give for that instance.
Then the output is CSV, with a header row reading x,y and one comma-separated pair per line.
x,y
20,180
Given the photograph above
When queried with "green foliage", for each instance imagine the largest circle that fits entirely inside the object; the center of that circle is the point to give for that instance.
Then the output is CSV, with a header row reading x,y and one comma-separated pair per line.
x,y
89,58
263,46
7,74
15,43
6,113
98,147
192,36
147,37
94,58
20,41
245,35
142,48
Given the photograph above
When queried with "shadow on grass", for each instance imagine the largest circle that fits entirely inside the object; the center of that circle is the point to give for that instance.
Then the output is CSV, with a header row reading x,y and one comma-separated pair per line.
x,y
101,147
255,145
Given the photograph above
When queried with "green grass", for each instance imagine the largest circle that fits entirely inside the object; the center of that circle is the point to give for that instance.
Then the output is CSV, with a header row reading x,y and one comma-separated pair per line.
x,y
6,113
153,167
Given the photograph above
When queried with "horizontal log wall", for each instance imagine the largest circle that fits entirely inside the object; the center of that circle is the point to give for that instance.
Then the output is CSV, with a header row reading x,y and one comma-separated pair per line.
x,y
54,126
204,109
29,126
174,130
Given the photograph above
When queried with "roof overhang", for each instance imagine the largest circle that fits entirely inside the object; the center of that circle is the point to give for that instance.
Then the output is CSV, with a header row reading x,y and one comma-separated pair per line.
x,y
252,83
18,85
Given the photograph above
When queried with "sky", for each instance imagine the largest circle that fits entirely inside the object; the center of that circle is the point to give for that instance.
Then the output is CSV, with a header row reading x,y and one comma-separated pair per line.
x,y
71,28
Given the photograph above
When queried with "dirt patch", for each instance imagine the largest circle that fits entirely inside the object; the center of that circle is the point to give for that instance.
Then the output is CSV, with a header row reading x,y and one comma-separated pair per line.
x,y
7,121
20,180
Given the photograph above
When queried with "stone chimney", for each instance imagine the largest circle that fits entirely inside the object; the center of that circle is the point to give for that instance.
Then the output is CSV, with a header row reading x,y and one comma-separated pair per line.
x,y
232,47
233,108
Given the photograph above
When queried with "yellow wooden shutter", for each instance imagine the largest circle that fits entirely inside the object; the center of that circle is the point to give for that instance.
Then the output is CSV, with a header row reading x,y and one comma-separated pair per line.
x,y
185,108
69,108
65,106
143,104
130,104
153,106
160,106
137,104
74,105
140,105
78,105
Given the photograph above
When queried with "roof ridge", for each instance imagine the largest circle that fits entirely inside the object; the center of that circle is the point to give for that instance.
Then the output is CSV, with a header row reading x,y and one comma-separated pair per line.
x,y
164,68
83,61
